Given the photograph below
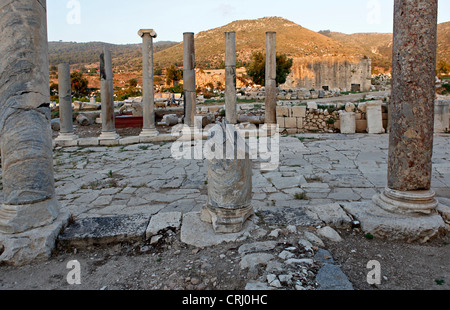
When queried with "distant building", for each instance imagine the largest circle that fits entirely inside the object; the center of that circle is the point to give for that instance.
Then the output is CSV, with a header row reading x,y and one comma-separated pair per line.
x,y
348,73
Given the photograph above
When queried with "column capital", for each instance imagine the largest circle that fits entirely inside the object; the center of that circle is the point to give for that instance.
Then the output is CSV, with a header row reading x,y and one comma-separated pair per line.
x,y
151,32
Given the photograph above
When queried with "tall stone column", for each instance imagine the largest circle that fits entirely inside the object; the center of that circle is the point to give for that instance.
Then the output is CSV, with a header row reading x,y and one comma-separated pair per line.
x,y
271,76
412,109
107,93
148,102
66,135
407,209
230,77
26,137
189,87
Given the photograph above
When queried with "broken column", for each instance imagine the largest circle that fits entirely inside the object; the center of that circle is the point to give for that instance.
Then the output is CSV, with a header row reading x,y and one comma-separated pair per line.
x,y
66,136
148,102
189,87
229,182
29,210
230,77
441,113
107,94
271,76
374,116
406,209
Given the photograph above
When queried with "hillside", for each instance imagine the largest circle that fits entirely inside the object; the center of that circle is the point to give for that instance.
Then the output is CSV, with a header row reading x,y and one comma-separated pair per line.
x,y
443,42
292,39
88,53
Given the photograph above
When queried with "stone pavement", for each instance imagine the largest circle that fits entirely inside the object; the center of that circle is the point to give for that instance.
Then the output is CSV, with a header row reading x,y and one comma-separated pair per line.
x,y
139,189
314,169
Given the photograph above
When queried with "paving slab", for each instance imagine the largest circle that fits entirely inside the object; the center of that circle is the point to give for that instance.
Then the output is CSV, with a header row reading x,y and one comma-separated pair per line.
x,y
104,230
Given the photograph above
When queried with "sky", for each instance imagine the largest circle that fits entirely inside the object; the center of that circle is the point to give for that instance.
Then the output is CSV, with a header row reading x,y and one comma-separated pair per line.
x,y
118,21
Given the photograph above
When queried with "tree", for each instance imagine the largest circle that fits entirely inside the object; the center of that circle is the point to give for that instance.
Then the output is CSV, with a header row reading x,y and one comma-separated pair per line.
x,y
79,84
256,70
443,67
173,74
133,82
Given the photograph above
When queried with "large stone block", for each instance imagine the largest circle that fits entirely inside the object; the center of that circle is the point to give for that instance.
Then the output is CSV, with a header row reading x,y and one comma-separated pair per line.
x,y
290,122
441,116
299,111
283,111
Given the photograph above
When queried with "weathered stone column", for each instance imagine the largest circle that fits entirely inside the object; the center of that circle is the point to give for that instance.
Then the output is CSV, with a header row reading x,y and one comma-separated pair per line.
x,y
189,87
412,108
107,93
26,138
148,102
406,209
230,77
66,136
374,117
271,76
441,111
229,182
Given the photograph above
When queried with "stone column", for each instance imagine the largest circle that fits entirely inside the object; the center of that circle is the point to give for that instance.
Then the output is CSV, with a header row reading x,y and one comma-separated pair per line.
x,y
406,209
441,113
348,122
66,136
230,77
189,87
148,103
271,76
107,93
26,137
374,117
229,182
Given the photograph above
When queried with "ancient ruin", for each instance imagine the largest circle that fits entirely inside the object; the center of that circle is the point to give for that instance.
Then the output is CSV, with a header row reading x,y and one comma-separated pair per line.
x,y
281,176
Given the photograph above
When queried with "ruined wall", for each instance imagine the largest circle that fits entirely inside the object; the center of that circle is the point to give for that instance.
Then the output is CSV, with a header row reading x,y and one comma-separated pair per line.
x,y
332,71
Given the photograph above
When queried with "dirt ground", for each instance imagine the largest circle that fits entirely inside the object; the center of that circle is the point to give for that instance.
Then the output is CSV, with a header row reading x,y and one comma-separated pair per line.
x,y
403,266
173,265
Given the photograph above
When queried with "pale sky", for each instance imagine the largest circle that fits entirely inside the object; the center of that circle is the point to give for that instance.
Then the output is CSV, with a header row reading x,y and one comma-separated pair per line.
x,y
118,21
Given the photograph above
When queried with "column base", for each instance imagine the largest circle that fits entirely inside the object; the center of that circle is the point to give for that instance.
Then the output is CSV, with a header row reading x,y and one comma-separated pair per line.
x,y
226,221
393,226
33,245
67,139
152,132
409,202
109,135
19,218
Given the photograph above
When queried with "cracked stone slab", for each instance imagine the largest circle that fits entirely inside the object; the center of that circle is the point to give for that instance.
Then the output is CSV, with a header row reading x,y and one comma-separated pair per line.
x,y
104,230
332,214
163,220
201,234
